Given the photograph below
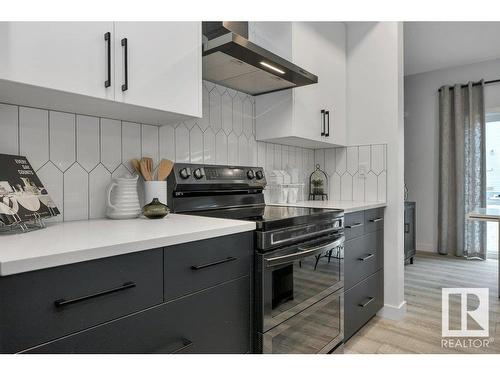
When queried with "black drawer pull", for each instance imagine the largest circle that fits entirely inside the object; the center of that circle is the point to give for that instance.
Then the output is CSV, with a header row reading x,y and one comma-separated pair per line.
x,y
66,302
184,345
107,38
201,266
327,133
366,257
323,122
355,225
376,220
124,43
370,300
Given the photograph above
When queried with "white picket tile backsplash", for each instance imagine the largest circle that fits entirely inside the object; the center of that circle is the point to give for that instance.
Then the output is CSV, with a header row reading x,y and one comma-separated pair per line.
x,y
76,156
355,173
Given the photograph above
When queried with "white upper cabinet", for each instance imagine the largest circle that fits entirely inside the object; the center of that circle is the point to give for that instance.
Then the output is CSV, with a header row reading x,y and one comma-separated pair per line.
x,y
314,115
163,75
163,65
66,56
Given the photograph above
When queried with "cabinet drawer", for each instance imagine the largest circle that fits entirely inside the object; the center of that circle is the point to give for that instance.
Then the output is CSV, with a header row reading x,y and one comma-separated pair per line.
x,y
216,320
362,302
374,220
194,266
363,256
354,224
44,305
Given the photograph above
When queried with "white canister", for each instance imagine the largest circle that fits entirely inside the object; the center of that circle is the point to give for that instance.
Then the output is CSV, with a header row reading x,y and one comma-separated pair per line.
x,y
123,199
293,193
155,189
283,195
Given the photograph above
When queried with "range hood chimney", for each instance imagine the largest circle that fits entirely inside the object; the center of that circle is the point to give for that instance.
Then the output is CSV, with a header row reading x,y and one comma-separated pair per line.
x,y
231,60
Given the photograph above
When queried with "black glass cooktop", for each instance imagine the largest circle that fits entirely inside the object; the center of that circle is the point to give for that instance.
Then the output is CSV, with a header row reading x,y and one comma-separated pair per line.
x,y
274,217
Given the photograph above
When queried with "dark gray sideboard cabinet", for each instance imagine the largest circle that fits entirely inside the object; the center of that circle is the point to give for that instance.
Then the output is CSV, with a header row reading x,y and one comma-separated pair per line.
x,y
187,298
363,268
410,232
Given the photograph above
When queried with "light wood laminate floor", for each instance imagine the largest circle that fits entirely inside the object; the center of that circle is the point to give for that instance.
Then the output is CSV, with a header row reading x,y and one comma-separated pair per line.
x,y
420,330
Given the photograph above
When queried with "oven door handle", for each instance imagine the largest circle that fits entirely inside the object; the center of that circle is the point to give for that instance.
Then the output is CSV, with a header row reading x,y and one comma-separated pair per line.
x,y
305,252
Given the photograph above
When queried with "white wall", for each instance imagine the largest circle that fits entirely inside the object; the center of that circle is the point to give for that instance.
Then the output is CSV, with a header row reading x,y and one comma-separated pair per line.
x,y
422,138
375,115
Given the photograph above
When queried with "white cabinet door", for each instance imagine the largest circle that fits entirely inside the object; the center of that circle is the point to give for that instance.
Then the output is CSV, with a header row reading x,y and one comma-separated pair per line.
x,y
163,65
320,48
66,56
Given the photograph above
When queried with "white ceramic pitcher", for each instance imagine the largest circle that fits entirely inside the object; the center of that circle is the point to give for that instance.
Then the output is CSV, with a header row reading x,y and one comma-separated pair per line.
x,y
123,199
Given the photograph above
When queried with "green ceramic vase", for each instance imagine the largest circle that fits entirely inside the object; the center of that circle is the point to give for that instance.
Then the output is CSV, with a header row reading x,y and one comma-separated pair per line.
x,y
155,210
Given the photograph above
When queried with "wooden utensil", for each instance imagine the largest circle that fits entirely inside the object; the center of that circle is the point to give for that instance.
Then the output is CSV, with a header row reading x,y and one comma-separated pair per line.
x,y
137,166
149,163
145,171
164,169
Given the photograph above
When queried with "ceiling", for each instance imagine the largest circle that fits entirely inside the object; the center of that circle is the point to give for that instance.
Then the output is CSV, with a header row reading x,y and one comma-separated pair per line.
x,y
436,45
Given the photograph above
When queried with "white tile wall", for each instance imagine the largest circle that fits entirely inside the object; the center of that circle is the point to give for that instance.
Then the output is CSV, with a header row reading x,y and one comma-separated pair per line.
x,y
344,167
76,155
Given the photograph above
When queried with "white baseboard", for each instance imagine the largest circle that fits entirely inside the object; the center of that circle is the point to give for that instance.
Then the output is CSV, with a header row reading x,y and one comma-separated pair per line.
x,y
426,247
393,312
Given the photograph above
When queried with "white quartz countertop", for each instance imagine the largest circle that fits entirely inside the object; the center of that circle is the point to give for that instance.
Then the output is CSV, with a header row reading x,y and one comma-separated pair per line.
x,y
347,206
78,241
485,214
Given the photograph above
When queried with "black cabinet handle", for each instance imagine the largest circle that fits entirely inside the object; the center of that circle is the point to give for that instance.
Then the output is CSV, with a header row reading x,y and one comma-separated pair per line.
x,y
327,134
184,344
355,225
370,300
323,122
366,257
125,63
201,266
66,302
107,38
407,227
376,220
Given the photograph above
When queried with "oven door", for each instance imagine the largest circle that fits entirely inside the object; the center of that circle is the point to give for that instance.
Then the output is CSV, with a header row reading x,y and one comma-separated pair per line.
x,y
295,278
318,329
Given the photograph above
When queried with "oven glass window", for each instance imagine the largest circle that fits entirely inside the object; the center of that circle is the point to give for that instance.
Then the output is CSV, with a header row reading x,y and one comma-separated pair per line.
x,y
297,285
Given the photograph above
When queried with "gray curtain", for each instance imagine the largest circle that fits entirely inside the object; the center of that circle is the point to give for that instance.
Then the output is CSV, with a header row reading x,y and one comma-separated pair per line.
x,y
462,170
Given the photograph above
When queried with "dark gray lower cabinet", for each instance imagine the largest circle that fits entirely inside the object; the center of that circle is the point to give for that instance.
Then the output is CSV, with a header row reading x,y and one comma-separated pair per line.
x,y
188,298
362,302
363,268
215,320
43,305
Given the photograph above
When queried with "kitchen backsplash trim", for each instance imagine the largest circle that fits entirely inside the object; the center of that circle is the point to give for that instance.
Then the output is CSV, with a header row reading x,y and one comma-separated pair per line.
x,y
77,155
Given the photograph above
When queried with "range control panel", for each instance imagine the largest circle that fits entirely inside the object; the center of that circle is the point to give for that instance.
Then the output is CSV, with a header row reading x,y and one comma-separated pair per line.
x,y
202,174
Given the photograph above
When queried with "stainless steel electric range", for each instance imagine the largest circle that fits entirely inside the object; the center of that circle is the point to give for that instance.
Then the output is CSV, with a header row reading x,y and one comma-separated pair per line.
x,y
298,272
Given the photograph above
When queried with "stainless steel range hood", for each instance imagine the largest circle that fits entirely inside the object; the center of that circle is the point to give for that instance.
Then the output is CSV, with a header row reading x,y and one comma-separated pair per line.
x,y
231,60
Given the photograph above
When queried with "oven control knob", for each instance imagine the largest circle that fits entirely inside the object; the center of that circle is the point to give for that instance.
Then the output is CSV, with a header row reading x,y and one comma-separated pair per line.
x,y
250,174
185,173
259,175
198,173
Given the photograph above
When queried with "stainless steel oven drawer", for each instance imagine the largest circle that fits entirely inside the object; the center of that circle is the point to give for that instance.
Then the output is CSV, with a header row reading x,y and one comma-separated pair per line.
x,y
362,302
363,256
318,329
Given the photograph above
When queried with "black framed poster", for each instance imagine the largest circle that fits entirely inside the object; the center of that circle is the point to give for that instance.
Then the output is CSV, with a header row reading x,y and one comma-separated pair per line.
x,y
22,195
